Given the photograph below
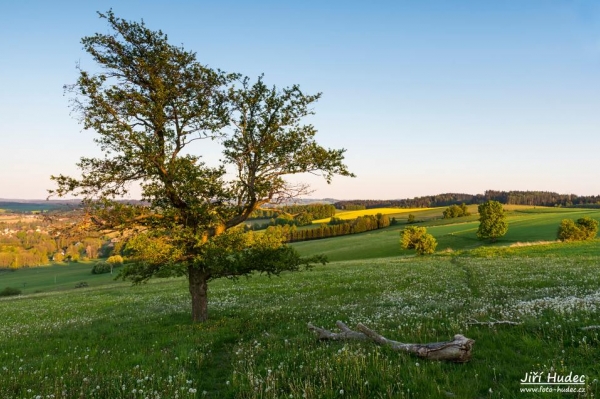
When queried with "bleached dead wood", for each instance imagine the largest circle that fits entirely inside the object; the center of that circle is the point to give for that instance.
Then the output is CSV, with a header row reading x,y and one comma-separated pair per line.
x,y
590,328
493,322
457,350
346,334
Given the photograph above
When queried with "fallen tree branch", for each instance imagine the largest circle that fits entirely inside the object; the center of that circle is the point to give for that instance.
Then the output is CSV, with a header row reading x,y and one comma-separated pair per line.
x,y
458,350
591,328
346,334
474,322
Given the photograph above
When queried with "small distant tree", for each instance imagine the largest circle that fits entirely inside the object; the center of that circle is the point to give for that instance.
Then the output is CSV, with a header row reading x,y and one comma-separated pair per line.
x,y
382,220
585,228
411,218
451,212
492,221
335,221
72,253
464,211
9,291
589,227
304,219
114,261
284,219
456,211
426,245
417,238
410,236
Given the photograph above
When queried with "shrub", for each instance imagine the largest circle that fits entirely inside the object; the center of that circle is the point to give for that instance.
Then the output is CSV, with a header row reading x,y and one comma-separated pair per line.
x,y
456,211
82,284
410,236
589,227
9,291
101,268
411,218
426,245
417,238
585,228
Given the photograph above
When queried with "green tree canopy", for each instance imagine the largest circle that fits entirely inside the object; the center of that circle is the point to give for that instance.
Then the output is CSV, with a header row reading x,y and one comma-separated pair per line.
x,y
417,238
148,103
456,211
492,221
585,228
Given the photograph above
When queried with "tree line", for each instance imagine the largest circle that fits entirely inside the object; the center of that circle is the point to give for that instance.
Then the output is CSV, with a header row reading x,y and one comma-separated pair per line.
x,y
293,215
533,198
316,211
417,202
336,227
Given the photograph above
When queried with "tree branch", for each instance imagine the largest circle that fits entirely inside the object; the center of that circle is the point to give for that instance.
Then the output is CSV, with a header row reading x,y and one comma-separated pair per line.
x,y
458,350
474,322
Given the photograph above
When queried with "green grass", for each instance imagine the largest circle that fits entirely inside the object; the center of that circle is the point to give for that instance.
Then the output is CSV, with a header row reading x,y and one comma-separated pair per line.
x,y
112,340
29,207
57,277
524,225
107,341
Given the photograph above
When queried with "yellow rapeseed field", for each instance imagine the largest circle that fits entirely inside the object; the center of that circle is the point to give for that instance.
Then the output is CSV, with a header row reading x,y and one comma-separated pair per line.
x,y
349,215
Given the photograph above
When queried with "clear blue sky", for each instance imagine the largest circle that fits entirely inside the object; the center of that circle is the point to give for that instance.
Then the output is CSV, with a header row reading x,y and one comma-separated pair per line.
x,y
426,96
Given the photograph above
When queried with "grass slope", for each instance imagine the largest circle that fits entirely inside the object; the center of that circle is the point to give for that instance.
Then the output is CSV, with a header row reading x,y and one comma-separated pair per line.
x,y
524,225
124,342
53,278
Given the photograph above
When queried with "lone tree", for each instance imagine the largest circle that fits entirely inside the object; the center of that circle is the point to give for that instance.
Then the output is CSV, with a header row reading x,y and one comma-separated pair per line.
x,y
148,103
492,221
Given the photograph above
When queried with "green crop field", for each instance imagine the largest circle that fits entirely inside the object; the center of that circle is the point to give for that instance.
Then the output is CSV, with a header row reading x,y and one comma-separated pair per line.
x,y
56,277
24,207
114,340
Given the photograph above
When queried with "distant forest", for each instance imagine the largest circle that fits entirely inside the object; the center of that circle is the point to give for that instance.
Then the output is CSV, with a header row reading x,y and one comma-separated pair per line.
x,y
535,198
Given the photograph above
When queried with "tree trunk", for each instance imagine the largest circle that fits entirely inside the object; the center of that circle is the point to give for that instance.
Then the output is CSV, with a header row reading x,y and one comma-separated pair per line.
x,y
199,290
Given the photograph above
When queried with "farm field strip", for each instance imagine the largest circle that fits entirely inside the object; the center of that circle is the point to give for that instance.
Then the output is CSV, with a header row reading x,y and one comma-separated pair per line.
x,y
349,215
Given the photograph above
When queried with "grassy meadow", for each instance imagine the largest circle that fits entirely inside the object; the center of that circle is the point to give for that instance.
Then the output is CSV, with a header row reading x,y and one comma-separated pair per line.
x,y
55,277
526,224
29,207
112,340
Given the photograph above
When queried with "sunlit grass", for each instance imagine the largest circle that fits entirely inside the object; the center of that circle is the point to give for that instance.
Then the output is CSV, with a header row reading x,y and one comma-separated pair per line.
x,y
56,277
452,234
135,342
